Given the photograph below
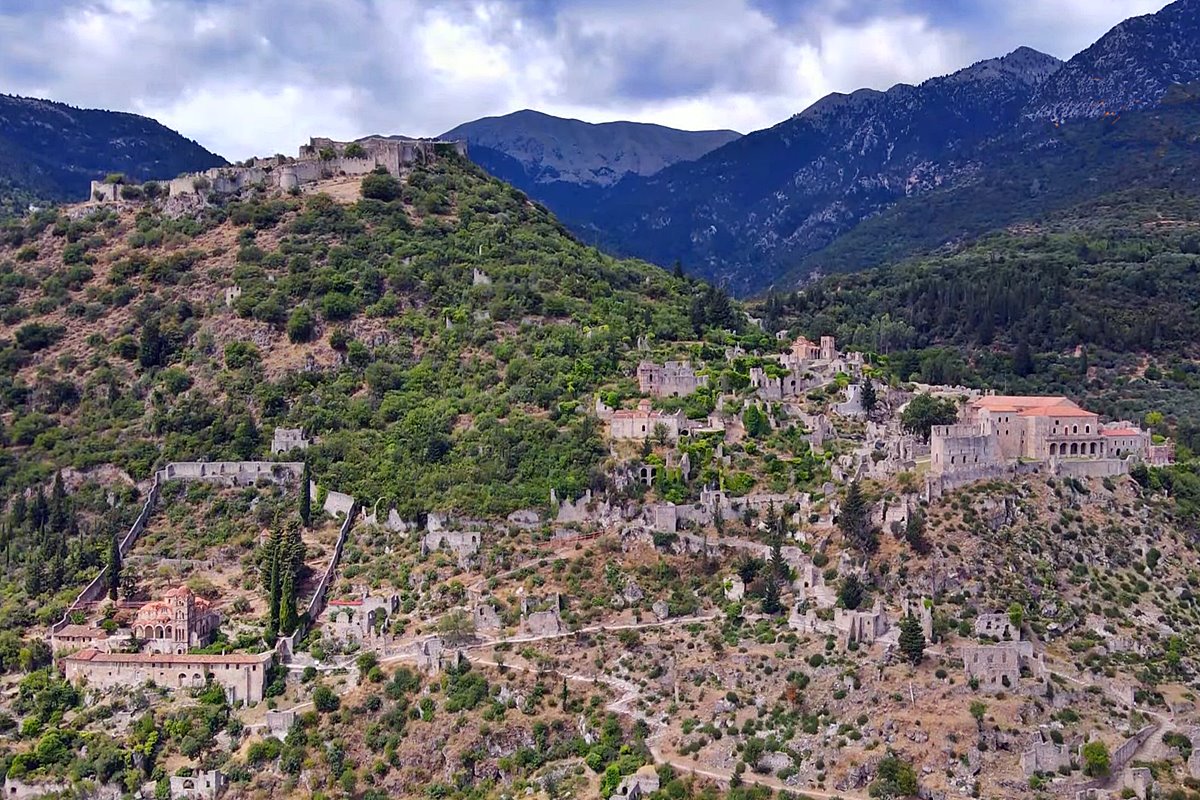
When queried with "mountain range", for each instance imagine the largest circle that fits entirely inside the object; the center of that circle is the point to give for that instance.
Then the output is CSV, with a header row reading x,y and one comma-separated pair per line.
x,y
752,212
854,180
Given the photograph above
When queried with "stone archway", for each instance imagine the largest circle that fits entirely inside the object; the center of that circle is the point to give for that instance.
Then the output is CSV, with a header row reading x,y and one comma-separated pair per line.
x,y
1053,450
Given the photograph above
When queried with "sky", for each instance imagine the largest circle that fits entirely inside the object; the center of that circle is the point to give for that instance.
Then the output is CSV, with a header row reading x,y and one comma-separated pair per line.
x,y
256,77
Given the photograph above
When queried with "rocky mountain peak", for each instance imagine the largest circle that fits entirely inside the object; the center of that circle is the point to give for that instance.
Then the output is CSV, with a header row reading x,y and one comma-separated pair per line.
x,y
1131,66
1024,64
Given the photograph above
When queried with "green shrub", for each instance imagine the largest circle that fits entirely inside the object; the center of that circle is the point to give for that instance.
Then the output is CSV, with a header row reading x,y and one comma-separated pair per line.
x,y
381,186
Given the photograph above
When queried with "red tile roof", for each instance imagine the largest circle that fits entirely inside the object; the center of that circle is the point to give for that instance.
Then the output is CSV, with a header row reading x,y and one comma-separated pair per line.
x,y
1120,432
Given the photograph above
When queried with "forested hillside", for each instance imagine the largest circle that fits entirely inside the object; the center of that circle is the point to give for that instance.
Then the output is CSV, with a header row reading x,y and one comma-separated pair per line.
x,y
409,329
1099,300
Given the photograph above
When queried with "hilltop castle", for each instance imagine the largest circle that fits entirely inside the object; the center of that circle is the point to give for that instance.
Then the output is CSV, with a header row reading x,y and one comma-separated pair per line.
x,y
320,159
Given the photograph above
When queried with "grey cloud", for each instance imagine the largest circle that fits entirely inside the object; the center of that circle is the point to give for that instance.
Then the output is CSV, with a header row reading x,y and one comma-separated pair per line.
x,y
260,75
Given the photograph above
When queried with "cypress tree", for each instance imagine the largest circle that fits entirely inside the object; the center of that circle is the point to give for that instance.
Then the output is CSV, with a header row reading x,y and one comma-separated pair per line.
x,y
914,533
291,556
306,496
869,398
770,601
40,514
114,567
273,581
853,520
59,513
850,593
912,639
19,511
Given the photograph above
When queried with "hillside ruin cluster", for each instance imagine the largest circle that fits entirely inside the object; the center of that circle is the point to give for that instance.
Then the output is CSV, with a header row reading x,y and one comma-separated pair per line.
x,y
154,642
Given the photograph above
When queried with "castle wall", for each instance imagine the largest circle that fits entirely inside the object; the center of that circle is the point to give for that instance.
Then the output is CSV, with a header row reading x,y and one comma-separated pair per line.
x,y
673,379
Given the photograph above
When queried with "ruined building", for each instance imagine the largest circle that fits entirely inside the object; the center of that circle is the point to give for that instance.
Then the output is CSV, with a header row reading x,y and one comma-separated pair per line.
x,y
672,379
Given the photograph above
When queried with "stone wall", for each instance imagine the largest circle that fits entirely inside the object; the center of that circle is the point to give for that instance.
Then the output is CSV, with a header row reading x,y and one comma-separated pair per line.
x,y
317,604
1123,754
1090,468
232,473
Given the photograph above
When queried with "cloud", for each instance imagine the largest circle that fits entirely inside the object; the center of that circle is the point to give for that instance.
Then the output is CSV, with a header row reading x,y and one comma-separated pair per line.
x,y
260,76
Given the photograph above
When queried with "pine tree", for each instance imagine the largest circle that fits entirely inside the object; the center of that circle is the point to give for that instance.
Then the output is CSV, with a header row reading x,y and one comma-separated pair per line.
x,y
306,496
114,568
912,639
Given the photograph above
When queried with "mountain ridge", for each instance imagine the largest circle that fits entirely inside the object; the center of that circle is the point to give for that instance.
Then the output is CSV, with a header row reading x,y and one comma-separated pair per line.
x,y
551,147
51,151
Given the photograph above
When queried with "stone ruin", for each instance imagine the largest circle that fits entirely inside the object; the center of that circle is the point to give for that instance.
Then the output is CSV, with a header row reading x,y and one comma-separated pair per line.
x,y
464,544
279,723
997,667
288,439
320,159
996,626
641,783
541,616
201,785
672,379
1043,755
486,618
434,656
362,619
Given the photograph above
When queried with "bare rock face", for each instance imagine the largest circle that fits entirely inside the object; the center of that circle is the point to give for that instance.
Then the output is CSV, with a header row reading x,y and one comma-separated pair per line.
x,y
1130,67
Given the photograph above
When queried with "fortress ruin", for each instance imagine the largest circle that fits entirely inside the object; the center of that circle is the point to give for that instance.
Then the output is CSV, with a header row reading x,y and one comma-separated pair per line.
x,y
320,159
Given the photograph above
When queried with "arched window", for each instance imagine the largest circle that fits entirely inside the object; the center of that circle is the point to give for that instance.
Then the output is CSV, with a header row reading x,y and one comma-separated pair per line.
x,y
1074,429
1074,449
1087,428
1053,449
158,632
1093,448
